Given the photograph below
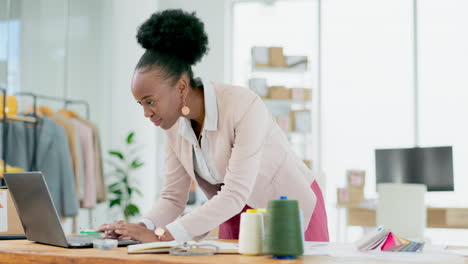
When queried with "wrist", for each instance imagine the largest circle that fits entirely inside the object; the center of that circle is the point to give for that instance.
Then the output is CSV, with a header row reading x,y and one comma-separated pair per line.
x,y
163,234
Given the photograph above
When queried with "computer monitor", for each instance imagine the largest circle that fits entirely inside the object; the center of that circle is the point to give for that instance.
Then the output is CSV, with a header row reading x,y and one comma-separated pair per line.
x,y
431,166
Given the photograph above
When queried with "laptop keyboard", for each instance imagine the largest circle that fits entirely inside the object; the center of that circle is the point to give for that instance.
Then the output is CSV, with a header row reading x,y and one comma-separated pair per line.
x,y
85,240
80,240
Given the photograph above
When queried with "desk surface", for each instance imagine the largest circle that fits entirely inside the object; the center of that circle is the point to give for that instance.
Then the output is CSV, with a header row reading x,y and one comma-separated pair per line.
x,y
22,251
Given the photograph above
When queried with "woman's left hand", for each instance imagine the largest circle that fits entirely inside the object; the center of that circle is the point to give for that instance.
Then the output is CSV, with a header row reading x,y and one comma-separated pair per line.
x,y
134,231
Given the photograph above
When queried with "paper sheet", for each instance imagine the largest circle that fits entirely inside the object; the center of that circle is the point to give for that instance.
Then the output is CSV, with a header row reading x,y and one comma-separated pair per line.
x,y
222,245
3,212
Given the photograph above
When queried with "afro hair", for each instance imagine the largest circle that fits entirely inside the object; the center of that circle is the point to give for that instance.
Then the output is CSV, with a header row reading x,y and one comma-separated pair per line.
x,y
174,33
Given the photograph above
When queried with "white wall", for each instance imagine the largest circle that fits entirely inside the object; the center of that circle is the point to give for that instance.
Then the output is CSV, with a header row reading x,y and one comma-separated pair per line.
x,y
215,15
126,114
43,46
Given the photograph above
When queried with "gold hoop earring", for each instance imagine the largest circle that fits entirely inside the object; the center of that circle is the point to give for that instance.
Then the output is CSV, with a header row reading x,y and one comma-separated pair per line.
x,y
185,109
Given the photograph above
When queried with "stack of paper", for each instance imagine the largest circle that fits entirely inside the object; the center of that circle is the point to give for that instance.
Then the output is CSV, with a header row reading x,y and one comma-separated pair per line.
x,y
385,240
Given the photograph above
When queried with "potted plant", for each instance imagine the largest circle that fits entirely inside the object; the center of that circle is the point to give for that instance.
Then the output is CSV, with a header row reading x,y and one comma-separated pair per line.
x,y
122,189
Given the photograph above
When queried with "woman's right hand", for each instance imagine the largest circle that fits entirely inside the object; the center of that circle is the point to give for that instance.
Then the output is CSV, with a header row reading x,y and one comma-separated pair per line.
x,y
111,234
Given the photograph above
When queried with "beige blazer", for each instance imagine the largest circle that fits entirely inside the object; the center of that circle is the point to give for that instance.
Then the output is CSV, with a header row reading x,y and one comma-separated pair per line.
x,y
252,154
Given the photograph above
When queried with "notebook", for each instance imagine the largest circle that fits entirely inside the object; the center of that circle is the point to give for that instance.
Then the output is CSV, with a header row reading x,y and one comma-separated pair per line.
x,y
163,247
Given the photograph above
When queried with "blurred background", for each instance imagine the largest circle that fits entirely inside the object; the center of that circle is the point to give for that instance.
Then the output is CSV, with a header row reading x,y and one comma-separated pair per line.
x,y
342,77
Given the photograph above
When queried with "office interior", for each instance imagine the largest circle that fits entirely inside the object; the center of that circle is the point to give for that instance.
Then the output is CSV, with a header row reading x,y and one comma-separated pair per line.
x,y
381,83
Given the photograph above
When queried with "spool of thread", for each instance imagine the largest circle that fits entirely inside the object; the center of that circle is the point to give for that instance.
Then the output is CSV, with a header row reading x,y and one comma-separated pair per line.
x,y
251,233
283,238
263,212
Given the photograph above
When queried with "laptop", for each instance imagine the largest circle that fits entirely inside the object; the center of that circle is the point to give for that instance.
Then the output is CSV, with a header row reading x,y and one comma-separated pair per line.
x,y
38,215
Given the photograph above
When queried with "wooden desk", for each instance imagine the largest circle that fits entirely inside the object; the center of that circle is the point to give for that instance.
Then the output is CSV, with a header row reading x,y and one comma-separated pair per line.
x,y
436,217
22,252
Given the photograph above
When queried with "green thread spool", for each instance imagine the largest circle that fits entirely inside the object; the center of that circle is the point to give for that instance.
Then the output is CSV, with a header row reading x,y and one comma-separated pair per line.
x,y
283,238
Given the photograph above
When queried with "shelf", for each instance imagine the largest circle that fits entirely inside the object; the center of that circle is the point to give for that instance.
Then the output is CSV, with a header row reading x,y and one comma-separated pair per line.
x,y
279,69
302,134
287,102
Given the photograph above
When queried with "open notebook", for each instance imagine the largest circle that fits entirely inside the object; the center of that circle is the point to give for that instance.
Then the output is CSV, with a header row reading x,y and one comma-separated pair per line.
x,y
163,247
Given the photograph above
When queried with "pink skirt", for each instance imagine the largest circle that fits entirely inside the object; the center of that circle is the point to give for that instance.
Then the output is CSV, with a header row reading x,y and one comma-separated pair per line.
x,y
317,229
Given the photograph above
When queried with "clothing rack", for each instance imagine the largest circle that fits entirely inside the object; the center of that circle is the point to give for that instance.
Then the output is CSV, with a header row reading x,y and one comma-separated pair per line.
x,y
35,97
5,120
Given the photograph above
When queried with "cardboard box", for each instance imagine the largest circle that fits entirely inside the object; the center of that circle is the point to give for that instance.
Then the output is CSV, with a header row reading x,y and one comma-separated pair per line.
x,y
361,217
350,196
301,94
279,92
9,221
456,217
301,121
276,57
356,178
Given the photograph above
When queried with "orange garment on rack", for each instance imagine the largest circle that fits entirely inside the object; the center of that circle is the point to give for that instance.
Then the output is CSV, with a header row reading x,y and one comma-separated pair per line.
x,y
8,168
11,105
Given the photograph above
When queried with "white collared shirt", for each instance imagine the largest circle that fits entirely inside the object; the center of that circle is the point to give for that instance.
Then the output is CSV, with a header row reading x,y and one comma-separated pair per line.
x,y
202,160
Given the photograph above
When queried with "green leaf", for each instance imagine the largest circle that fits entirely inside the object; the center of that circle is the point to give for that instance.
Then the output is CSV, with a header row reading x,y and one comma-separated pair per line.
x,y
131,210
129,190
136,164
114,202
114,185
118,192
117,154
130,138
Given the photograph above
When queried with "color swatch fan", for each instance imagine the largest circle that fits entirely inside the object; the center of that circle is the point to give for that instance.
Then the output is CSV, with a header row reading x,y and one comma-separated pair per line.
x,y
385,240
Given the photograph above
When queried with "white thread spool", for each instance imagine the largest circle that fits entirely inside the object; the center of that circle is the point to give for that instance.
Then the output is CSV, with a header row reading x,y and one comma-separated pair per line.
x,y
251,234
263,212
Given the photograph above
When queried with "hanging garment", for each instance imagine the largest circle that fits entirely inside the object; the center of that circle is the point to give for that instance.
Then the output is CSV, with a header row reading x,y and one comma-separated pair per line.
x,y
101,189
17,145
8,168
52,158
79,155
86,140
71,141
